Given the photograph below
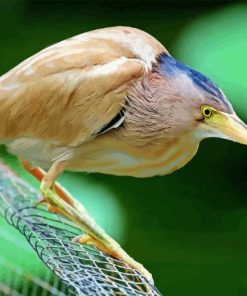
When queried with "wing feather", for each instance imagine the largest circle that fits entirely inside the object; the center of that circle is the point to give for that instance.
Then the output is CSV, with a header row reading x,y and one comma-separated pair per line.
x,y
68,92
68,107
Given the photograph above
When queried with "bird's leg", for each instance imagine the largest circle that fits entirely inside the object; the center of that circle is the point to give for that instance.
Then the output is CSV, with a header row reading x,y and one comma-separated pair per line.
x,y
39,174
75,211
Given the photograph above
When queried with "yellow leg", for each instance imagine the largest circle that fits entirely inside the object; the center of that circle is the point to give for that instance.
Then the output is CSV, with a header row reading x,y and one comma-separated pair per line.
x,y
40,174
61,202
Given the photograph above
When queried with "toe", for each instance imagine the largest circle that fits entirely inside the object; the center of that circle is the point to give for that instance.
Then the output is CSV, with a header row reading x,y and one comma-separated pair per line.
x,y
41,201
86,239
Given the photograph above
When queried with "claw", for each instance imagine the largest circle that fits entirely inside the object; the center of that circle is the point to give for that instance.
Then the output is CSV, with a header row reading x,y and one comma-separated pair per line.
x,y
50,208
55,210
41,201
86,239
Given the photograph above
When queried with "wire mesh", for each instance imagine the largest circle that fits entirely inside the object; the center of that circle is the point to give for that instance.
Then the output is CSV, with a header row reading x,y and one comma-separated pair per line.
x,y
83,269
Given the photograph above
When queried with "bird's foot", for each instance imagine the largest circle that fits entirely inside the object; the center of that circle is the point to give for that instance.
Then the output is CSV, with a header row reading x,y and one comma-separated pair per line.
x,y
86,239
50,198
95,235
45,201
113,249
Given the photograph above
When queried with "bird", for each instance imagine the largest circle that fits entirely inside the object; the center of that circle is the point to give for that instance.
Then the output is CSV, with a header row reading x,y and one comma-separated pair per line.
x,y
111,101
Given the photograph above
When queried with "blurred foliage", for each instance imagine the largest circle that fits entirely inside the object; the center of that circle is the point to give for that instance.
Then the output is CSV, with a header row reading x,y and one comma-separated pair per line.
x,y
188,228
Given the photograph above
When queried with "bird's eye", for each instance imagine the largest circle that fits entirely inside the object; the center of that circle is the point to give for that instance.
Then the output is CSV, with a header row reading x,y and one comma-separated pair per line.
x,y
206,111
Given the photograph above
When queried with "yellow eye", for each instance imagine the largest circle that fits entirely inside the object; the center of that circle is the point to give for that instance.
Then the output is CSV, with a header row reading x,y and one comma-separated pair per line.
x,y
206,111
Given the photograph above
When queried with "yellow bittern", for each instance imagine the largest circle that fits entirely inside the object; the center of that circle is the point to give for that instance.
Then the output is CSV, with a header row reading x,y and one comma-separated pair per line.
x,y
112,101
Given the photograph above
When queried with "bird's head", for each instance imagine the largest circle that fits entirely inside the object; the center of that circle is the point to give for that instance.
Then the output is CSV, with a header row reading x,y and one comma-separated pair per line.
x,y
198,103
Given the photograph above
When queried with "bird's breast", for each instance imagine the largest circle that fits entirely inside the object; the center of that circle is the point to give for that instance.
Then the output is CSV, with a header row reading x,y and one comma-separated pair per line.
x,y
119,159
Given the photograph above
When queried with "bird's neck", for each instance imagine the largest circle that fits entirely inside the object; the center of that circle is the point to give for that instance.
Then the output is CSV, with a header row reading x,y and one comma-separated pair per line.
x,y
150,117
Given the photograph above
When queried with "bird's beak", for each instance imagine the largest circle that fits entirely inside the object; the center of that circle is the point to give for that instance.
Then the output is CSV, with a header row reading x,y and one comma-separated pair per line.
x,y
228,126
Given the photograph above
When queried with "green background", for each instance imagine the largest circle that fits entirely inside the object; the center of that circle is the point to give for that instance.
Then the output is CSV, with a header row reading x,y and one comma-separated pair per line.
x,y
189,228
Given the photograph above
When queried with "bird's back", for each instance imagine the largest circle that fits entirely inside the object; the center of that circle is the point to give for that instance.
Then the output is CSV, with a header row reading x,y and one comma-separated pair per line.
x,y
71,89
89,49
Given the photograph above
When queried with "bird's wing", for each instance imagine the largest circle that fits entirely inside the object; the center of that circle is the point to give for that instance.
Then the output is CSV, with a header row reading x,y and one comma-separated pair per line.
x,y
72,90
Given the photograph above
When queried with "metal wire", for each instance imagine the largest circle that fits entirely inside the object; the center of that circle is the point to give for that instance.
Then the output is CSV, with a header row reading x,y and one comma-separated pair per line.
x,y
83,269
